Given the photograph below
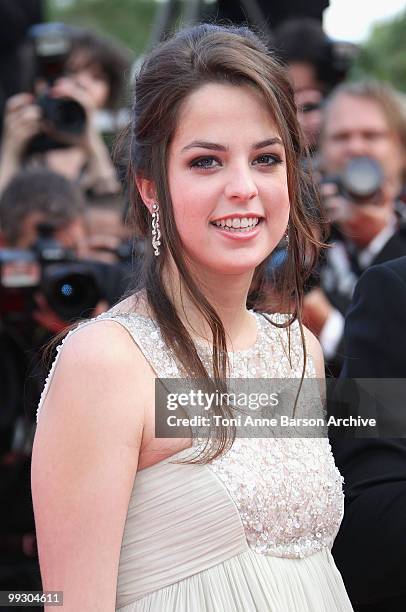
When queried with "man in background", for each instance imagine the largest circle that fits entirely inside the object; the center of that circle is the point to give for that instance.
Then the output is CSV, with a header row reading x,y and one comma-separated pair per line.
x,y
370,548
361,120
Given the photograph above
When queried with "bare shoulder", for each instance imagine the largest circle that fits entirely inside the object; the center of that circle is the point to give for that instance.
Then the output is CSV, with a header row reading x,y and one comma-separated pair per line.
x,y
103,342
98,377
314,349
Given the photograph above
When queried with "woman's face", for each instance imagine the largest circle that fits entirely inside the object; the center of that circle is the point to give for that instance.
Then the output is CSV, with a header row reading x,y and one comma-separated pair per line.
x,y
227,179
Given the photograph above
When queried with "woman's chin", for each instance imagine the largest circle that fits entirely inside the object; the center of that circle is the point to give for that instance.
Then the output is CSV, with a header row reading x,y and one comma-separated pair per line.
x,y
222,263
235,267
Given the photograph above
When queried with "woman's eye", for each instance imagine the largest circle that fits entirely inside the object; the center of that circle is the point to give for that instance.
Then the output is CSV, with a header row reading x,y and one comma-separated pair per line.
x,y
268,160
205,163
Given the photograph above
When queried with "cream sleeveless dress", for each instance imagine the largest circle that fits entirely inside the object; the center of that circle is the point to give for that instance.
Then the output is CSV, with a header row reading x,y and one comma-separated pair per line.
x,y
249,532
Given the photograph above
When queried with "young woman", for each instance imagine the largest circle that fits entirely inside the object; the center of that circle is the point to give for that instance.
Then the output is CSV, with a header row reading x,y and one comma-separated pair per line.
x,y
128,520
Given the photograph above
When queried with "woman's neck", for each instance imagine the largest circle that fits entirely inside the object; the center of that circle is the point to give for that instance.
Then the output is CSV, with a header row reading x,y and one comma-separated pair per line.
x,y
227,295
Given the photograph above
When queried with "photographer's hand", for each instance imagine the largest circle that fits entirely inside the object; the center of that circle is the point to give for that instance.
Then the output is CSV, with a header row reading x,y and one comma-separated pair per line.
x,y
22,121
359,221
66,87
316,310
367,221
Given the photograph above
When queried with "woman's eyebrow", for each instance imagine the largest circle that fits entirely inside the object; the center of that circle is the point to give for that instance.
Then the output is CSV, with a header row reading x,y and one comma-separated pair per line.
x,y
268,142
203,144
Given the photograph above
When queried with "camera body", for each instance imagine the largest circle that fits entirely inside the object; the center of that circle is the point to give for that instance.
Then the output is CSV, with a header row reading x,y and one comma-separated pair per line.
x,y
72,287
65,118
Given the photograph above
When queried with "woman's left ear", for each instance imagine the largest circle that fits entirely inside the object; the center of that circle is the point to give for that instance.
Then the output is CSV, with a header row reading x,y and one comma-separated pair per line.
x,y
147,191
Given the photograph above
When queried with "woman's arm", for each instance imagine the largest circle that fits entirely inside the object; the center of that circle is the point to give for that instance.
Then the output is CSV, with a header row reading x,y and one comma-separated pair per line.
x,y
84,460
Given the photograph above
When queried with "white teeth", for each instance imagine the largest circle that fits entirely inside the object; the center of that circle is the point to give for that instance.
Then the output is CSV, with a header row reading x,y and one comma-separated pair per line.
x,y
243,224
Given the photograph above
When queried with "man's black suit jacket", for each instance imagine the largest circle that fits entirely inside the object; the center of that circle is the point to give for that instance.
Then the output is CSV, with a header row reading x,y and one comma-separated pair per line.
x,y
370,549
394,248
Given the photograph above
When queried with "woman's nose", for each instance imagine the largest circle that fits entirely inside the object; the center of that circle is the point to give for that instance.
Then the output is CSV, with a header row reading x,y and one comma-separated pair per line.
x,y
241,185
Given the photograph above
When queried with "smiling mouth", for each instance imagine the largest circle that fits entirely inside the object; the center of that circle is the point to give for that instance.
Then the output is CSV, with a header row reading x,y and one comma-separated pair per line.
x,y
237,225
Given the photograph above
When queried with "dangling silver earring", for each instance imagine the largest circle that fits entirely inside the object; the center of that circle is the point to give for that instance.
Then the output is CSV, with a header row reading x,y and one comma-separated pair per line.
x,y
286,236
156,230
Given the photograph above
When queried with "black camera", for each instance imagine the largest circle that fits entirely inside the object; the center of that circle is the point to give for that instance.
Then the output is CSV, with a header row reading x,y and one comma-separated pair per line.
x,y
71,287
360,181
65,118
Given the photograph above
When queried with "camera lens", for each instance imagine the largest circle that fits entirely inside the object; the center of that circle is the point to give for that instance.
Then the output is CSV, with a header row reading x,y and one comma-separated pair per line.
x,y
72,290
362,178
67,116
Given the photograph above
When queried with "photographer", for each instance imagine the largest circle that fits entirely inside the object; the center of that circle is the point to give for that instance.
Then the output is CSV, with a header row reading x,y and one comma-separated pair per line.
x,y
50,273
91,74
363,142
36,197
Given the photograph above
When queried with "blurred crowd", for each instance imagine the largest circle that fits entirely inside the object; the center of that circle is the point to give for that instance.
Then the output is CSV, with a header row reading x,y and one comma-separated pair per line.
x,y
66,250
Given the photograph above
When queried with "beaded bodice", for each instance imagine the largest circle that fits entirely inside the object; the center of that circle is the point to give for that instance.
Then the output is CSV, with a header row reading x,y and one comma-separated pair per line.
x,y
287,491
